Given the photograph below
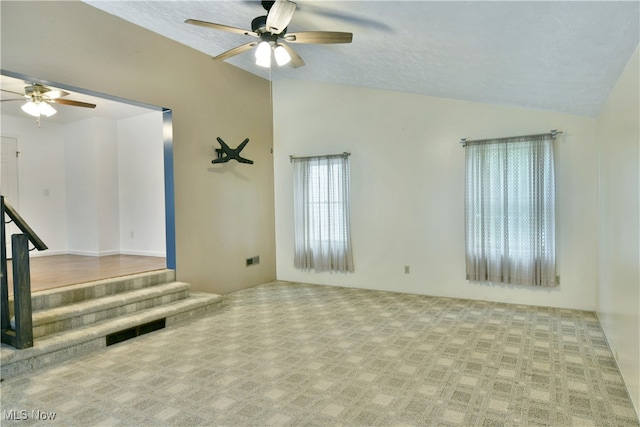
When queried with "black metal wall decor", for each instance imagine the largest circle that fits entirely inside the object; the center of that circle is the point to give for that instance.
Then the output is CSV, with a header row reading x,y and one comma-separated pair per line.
x,y
225,153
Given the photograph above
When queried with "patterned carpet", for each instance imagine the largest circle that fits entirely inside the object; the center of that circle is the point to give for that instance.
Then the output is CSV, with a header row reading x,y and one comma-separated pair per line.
x,y
296,354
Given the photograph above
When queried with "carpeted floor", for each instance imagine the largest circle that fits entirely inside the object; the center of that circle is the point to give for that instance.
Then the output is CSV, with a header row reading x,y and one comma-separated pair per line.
x,y
295,354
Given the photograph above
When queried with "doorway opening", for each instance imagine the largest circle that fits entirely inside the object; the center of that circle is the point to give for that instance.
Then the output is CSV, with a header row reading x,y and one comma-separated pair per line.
x,y
67,153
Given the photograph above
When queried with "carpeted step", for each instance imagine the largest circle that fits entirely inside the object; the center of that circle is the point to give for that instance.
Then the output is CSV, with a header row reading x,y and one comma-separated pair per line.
x,y
84,291
65,345
51,298
77,315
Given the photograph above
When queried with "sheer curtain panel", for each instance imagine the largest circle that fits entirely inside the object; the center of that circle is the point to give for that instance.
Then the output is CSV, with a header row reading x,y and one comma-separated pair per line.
x,y
510,211
321,213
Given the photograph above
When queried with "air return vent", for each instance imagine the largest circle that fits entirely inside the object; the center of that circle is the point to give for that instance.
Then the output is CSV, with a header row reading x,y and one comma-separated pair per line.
x,y
126,334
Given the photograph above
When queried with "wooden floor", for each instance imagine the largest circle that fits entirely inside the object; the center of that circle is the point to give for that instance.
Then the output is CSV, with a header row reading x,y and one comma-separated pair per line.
x,y
62,270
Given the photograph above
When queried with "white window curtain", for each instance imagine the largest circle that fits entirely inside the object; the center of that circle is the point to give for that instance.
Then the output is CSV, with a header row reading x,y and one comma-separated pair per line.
x,y
510,211
321,213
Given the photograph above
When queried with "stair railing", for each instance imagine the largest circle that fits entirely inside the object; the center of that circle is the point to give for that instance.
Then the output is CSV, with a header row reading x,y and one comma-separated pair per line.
x,y
20,336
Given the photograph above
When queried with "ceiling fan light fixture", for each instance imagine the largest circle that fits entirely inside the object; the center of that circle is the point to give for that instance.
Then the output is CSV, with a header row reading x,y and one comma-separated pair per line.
x,y
31,108
46,109
37,109
263,55
282,56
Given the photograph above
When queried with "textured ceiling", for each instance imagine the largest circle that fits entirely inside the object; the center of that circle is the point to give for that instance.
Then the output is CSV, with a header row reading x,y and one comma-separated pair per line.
x,y
551,55
561,56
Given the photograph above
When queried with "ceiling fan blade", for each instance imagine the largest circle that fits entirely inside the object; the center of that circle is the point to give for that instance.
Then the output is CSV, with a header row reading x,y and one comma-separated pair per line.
x,y
235,51
73,103
296,60
319,37
54,94
10,91
221,27
318,9
14,99
280,15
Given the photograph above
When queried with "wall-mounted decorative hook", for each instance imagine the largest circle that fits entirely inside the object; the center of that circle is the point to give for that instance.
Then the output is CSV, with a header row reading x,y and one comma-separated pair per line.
x,y
225,153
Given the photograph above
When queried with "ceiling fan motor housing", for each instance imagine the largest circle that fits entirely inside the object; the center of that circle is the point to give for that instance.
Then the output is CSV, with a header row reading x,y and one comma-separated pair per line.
x,y
259,26
35,89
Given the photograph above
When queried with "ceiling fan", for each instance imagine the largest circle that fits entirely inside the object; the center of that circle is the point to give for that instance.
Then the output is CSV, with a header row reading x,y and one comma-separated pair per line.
x,y
39,99
271,34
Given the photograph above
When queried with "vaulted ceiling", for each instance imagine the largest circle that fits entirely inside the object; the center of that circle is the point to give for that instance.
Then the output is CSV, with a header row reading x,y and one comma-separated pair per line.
x,y
552,55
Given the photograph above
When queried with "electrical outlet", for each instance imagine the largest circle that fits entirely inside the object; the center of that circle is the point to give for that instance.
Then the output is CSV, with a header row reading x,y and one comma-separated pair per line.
x,y
406,269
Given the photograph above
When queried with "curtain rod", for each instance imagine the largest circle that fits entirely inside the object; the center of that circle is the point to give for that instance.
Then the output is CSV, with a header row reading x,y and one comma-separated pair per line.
x,y
553,134
345,154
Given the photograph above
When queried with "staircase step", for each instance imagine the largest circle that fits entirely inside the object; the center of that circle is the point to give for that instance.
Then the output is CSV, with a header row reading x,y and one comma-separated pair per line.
x,y
66,345
46,322
51,298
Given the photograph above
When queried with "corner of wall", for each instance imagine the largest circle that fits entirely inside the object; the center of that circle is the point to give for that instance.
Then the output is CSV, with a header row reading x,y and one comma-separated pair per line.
x,y
618,294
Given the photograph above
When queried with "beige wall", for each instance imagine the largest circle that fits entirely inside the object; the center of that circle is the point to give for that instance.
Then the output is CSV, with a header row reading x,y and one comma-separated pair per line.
x,y
407,176
224,213
619,225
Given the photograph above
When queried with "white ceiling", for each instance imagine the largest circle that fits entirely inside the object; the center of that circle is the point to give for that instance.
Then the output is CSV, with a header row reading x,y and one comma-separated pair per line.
x,y
559,56
550,55
105,108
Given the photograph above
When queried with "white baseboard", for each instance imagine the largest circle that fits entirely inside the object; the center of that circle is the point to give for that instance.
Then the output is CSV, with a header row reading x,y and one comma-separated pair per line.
x,y
143,253
35,254
93,253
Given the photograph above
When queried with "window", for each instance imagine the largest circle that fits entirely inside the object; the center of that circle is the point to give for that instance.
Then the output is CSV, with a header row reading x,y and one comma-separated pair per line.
x,y
510,211
321,213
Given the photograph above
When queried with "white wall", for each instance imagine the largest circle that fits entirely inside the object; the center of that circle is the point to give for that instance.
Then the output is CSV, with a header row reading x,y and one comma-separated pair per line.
x,y
141,185
79,182
619,225
42,194
91,163
407,176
